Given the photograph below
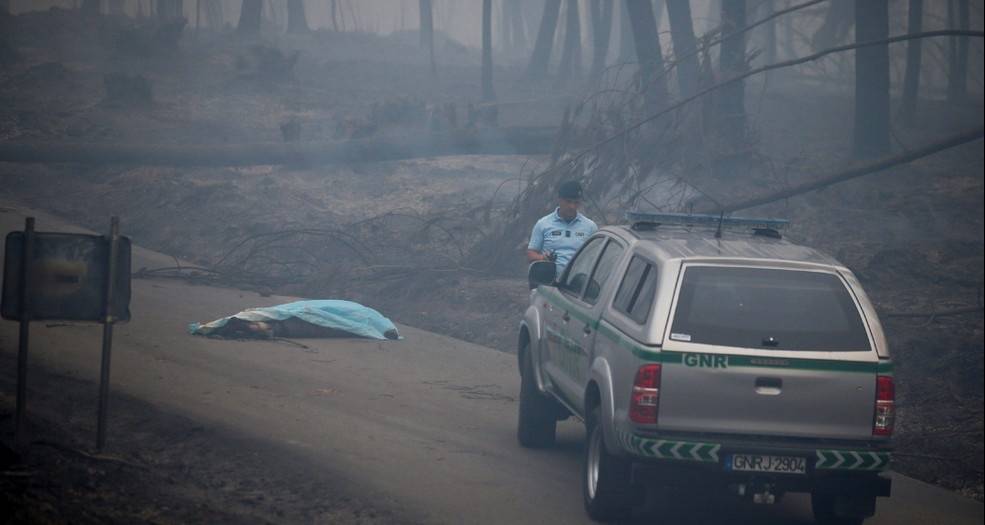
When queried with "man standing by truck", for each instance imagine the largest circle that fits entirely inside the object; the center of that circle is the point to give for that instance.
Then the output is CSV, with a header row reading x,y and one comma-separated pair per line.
x,y
558,235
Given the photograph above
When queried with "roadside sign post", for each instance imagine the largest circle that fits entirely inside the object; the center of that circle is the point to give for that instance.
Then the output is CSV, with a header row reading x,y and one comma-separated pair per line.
x,y
20,424
68,277
108,320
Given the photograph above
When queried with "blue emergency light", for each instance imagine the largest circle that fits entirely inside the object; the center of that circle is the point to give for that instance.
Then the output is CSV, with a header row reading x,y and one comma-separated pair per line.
x,y
643,220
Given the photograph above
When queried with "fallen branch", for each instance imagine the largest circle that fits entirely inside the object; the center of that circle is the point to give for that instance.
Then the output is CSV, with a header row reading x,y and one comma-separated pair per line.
x,y
941,313
857,171
501,141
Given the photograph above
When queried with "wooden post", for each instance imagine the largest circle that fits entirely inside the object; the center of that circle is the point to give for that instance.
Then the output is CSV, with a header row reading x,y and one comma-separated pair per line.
x,y
20,418
108,320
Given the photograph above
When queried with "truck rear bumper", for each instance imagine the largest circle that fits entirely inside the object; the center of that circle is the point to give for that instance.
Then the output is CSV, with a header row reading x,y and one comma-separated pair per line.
x,y
687,476
829,467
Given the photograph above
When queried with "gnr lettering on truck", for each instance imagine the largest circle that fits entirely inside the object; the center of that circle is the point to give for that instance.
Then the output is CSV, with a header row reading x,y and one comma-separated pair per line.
x,y
706,360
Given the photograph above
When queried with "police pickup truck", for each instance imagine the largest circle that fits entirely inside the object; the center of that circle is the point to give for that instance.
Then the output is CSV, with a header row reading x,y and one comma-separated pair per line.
x,y
708,351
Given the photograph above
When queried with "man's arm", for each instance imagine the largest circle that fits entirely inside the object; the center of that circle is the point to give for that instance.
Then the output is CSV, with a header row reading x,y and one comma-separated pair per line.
x,y
536,244
534,256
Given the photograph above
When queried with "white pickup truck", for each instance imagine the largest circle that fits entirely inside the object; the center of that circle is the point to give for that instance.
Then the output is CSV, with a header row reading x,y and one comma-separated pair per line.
x,y
709,351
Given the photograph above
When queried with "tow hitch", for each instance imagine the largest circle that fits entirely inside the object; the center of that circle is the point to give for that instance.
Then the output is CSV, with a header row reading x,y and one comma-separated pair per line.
x,y
759,493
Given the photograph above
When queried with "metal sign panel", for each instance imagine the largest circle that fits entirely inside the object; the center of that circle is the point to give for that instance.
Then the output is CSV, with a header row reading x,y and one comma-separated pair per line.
x,y
68,277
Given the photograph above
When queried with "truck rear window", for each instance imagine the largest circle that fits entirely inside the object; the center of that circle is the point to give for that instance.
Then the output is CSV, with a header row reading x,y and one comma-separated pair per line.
x,y
767,308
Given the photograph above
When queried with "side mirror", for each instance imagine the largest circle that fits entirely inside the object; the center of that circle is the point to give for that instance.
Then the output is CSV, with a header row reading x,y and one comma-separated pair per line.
x,y
541,272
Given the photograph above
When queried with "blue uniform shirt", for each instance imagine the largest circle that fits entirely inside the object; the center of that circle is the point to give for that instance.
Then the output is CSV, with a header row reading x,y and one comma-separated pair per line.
x,y
552,233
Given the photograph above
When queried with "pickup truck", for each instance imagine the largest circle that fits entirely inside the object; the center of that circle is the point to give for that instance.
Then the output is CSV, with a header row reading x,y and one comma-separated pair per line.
x,y
707,351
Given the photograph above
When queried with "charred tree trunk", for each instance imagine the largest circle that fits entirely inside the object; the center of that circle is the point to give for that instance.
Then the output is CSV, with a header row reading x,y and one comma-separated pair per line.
x,y
427,32
731,108
627,46
90,7
647,45
487,65
297,21
504,27
871,79
682,34
170,9
957,78
570,66
914,52
249,18
601,34
518,28
213,13
769,32
334,7
545,40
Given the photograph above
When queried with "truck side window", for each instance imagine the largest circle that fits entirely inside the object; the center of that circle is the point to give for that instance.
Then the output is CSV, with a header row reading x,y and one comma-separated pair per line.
x,y
581,266
635,295
603,270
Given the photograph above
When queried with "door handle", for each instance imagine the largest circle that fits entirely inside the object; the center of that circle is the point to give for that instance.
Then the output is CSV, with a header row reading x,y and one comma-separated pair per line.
x,y
566,317
587,330
769,386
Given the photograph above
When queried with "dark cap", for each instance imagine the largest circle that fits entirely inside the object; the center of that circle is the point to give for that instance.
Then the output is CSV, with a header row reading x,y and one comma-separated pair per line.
x,y
570,190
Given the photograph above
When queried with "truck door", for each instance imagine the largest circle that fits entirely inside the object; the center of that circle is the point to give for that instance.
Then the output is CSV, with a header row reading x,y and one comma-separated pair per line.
x,y
566,350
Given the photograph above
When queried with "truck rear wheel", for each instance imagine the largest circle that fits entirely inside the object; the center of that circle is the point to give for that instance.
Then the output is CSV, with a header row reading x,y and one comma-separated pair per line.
x,y
605,478
537,425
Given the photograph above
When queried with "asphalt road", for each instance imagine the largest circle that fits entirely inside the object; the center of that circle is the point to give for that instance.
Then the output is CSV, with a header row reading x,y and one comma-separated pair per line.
x,y
425,425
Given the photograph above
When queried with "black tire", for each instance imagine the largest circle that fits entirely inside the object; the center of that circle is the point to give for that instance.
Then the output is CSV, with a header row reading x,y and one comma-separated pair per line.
x,y
605,478
826,513
537,421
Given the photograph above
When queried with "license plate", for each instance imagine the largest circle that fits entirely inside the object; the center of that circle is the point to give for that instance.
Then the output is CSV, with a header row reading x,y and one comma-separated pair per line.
x,y
765,463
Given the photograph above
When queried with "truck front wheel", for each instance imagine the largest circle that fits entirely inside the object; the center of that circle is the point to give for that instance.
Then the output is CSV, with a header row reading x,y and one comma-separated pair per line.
x,y
537,425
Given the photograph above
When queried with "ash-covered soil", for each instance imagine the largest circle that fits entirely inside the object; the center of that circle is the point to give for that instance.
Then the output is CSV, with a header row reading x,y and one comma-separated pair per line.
x,y
163,468
396,235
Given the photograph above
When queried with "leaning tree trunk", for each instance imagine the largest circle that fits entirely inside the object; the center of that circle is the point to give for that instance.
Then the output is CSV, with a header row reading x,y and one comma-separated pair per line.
x,y
911,80
545,40
249,17
297,22
487,66
731,110
570,65
682,35
957,78
871,79
647,45
601,34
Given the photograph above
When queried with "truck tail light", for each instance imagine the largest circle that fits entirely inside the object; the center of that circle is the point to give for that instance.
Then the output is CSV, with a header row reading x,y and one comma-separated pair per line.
x,y
885,416
645,399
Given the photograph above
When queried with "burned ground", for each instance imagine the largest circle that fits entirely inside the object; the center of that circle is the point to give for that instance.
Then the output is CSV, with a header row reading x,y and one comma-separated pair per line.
x,y
398,235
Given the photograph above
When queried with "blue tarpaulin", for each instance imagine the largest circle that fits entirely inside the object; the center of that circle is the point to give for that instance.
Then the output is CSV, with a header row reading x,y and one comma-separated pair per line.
x,y
346,316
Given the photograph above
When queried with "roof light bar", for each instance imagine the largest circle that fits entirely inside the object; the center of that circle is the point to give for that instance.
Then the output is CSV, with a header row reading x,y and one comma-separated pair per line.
x,y
701,219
